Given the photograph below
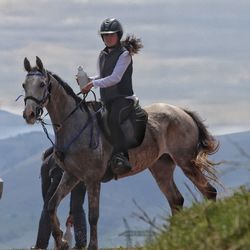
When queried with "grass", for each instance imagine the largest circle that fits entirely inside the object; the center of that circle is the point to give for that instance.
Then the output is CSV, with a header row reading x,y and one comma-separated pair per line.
x,y
224,224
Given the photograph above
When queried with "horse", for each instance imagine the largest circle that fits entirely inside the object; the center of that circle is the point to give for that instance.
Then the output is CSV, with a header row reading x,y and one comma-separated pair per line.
x,y
173,136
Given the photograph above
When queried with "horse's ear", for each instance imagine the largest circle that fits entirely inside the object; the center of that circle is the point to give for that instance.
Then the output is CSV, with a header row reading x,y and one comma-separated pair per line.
x,y
39,63
26,64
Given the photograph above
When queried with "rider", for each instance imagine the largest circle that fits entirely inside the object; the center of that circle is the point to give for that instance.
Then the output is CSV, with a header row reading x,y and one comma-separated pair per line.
x,y
50,177
115,68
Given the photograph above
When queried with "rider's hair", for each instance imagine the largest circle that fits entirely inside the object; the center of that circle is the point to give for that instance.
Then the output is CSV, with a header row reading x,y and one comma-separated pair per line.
x,y
132,44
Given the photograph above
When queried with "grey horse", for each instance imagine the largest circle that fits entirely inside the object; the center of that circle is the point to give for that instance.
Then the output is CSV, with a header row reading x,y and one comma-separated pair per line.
x,y
173,136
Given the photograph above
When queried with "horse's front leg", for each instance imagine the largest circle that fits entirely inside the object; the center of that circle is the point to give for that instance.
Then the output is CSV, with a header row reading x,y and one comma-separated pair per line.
x,y
66,184
93,190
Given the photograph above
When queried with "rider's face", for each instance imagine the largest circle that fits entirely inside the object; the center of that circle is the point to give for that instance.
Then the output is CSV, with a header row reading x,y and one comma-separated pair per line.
x,y
110,40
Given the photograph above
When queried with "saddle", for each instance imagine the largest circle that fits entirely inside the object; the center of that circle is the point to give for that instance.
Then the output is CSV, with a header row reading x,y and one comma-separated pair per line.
x,y
133,126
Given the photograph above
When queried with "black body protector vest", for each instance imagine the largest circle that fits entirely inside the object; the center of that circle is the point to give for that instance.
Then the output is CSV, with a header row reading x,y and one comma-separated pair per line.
x,y
107,62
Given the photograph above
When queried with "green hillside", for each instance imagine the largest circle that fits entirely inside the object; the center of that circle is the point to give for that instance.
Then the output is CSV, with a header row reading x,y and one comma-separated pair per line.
x,y
209,225
221,225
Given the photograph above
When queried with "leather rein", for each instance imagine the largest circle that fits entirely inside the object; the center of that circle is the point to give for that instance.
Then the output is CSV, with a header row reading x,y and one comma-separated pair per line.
x,y
46,98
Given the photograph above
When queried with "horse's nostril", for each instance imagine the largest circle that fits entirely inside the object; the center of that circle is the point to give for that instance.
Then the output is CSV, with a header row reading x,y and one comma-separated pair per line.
x,y
29,116
32,115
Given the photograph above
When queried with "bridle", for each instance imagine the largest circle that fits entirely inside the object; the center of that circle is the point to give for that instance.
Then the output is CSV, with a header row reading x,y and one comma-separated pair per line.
x,y
46,95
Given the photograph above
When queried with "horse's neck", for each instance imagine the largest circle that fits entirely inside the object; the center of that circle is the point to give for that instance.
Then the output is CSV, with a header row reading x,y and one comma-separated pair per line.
x,y
61,105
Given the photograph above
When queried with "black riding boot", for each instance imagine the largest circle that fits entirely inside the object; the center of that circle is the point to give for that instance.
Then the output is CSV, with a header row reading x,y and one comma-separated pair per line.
x,y
119,111
80,230
79,217
44,230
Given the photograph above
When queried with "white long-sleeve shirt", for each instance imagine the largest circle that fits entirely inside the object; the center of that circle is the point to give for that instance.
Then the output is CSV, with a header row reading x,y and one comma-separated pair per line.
x,y
116,76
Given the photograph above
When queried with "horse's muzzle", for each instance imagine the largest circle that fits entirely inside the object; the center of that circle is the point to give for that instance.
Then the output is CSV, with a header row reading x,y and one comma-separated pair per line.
x,y
29,116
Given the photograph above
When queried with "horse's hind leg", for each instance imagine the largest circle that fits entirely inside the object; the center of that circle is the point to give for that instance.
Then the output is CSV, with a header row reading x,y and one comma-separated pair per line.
x,y
163,171
199,180
65,186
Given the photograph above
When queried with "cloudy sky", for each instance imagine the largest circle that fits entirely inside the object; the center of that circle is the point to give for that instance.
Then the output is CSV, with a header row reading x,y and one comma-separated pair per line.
x,y
196,52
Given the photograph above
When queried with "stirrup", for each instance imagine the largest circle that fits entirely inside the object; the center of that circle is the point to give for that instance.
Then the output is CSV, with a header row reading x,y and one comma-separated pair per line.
x,y
120,164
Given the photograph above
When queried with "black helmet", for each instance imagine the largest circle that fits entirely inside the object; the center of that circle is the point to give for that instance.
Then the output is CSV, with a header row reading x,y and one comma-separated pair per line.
x,y
111,26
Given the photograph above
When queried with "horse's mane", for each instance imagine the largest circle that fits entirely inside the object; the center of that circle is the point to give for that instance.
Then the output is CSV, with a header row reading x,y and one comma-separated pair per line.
x,y
66,87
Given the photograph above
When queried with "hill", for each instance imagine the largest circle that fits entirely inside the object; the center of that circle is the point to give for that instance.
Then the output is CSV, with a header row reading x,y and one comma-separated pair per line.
x,y
13,125
221,225
21,202
8,118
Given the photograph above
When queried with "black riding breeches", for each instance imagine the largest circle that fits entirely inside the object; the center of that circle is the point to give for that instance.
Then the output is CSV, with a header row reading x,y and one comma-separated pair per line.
x,y
79,218
49,185
118,111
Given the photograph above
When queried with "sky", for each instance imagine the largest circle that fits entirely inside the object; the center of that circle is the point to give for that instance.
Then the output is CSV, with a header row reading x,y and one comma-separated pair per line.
x,y
195,55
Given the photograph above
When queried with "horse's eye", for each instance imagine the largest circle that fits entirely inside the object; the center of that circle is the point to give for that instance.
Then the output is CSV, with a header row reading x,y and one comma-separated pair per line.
x,y
42,84
23,85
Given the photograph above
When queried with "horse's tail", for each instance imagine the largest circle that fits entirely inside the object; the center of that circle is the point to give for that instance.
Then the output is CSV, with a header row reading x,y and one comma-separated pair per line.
x,y
207,145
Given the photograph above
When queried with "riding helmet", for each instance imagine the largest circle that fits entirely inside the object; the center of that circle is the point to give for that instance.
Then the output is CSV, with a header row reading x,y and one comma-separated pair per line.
x,y
111,26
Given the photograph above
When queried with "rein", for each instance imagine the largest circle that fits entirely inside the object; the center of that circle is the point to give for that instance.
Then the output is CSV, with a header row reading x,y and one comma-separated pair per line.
x,y
81,104
60,125
86,124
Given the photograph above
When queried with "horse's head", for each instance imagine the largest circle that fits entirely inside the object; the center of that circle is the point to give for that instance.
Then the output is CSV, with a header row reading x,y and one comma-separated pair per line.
x,y
37,90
